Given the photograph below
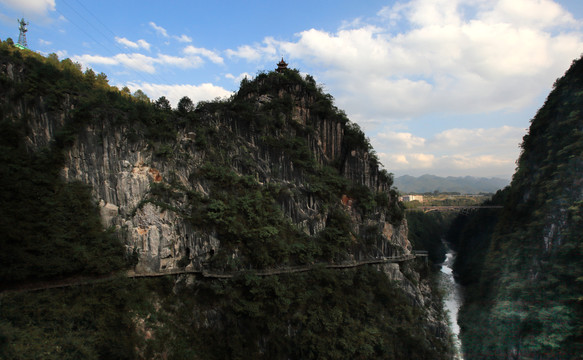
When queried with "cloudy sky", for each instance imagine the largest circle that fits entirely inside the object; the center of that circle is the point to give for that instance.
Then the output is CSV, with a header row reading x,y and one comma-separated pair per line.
x,y
444,87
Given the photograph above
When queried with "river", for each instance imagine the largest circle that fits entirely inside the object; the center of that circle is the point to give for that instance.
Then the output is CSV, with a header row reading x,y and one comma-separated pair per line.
x,y
453,299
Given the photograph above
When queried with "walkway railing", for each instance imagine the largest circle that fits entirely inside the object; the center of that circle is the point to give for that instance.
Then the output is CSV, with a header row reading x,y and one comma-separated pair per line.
x,y
278,271
86,280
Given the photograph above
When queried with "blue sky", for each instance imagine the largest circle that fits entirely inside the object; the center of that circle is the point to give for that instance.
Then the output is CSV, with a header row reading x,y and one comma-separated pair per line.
x,y
445,87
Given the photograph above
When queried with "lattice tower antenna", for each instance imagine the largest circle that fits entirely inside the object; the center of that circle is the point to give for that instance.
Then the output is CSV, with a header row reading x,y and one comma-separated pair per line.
x,y
23,30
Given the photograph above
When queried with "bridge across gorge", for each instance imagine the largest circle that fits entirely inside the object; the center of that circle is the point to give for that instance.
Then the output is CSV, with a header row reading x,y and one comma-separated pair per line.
x,y
458,208
87,280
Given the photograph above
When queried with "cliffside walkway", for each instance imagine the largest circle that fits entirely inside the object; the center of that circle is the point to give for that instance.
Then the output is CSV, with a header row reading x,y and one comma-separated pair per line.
x,y
87,280
464,209
280,271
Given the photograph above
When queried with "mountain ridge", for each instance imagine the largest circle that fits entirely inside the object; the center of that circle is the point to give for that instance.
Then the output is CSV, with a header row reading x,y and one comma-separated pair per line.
x,y
462,184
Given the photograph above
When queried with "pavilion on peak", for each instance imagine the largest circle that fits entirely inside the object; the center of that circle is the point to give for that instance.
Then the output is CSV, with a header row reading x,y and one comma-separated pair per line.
x,y
281,66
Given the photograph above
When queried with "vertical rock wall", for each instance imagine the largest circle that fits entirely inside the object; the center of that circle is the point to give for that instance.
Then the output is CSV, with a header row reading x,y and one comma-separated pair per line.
x,y
121,173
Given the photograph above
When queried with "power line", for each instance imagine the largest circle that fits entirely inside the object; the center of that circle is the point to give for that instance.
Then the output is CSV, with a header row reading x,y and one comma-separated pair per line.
x,y
96,18
140,75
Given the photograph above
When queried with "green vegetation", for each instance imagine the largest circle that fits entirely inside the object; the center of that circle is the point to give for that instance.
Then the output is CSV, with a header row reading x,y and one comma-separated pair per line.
x,y
84,322
427,232
247,215
324,314
52,227
470,236
248,218
524,268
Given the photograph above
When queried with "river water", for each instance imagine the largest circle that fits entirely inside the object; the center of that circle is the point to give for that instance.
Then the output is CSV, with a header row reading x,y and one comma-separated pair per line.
x,y
453,299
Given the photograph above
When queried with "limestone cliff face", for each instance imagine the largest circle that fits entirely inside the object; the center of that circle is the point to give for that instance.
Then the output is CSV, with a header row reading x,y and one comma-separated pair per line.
x,y
282,138
121,174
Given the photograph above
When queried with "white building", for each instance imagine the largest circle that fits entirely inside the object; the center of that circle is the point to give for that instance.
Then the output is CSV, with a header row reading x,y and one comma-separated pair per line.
x,y
407,198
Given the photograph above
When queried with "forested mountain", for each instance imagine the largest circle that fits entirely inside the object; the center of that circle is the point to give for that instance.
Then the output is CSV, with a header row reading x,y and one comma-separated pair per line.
x,y
240,228
524,266
464,185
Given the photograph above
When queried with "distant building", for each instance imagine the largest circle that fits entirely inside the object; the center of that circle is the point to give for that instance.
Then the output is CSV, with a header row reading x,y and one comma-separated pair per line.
x,y
281,66
407,198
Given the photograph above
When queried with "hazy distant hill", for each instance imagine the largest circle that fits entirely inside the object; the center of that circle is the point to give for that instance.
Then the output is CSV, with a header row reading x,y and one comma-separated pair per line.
x,y
464,185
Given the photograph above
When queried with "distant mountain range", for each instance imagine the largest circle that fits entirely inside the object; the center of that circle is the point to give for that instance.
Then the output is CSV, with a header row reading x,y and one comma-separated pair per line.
x,y
463,185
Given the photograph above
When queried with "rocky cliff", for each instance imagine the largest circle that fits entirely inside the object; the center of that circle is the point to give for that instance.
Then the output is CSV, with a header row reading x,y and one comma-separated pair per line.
x,y
524,267
275,176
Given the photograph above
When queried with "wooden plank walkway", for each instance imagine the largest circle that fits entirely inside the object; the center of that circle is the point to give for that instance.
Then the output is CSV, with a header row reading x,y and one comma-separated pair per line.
x,y
278,271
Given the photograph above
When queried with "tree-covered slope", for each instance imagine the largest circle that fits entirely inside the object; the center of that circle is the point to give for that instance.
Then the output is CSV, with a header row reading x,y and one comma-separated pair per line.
x,y
102,181
528,301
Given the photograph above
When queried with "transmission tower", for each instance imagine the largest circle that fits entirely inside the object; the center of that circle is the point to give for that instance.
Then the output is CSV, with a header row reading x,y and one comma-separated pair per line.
x,y
23,30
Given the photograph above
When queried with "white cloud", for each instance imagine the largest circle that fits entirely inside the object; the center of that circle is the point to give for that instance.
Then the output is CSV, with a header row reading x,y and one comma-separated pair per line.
x,y
448,165
500,140
237,79
163,32
209,54
174,93
62,54
425,12
126,42
479,151
183,38
355,23
423,58
95,59
450,56
400,159
402,140
159,29
265,51
31,7
182,62
539,13
247,52
140,62
44,42
144,44
134,45
422,160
